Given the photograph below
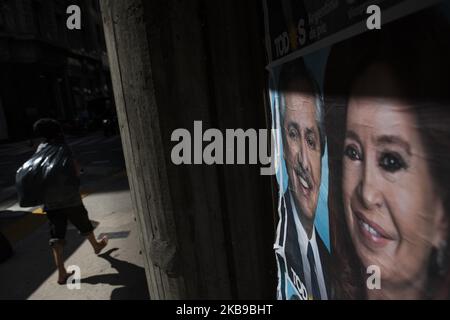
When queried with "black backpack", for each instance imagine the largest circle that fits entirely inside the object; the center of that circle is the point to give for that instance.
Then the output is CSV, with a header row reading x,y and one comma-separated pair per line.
x,y
49,175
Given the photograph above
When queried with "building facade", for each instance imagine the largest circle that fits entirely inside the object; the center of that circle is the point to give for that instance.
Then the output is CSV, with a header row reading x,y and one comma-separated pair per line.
x,y
47,70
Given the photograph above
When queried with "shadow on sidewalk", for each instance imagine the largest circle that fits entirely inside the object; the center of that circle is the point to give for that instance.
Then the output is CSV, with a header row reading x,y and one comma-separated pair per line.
x,y
130,276
16,225
32,264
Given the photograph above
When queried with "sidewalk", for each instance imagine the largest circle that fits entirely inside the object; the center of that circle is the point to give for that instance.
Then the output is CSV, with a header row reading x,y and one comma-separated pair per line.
x,y
116,274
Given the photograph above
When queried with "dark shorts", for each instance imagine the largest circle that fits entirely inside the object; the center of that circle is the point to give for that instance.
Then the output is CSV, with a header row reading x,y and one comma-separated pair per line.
x,y
78,216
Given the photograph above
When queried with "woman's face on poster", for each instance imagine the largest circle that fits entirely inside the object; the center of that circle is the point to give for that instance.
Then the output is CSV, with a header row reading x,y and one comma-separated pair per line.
x,y
393,210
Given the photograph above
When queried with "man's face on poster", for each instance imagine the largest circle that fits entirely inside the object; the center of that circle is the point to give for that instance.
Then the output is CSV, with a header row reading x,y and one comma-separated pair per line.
x,y
302,152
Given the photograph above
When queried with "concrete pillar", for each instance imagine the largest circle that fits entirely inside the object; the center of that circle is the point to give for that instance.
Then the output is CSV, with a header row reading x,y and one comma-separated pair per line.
x,y
206,231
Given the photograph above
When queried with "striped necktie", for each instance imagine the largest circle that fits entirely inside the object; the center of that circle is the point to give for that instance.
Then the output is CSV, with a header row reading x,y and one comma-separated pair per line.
x,y
314,282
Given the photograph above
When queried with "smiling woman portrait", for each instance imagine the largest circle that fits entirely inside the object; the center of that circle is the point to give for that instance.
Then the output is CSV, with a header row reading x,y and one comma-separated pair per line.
x,y
388,127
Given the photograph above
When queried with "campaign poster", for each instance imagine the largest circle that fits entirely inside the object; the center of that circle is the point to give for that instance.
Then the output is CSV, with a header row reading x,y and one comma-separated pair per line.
x,y
360,104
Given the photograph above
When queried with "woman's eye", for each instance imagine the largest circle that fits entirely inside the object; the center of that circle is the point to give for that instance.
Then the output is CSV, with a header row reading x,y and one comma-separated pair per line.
x,y
352,153
392,162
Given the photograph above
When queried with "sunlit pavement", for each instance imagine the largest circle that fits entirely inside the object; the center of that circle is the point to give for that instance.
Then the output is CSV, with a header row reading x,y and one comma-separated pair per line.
x,y
116,274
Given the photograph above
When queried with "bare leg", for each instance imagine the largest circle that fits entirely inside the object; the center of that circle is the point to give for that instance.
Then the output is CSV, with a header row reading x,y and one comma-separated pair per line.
x,y
98,246
57,250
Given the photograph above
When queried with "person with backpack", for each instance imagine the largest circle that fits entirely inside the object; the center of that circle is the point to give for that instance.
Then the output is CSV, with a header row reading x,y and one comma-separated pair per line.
x,y
61,194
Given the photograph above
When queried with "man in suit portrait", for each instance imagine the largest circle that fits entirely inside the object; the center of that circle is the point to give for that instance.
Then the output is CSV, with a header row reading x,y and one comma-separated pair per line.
x,y
304,258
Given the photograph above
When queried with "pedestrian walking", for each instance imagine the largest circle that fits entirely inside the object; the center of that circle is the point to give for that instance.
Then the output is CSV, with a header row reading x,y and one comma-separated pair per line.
x,y
64,204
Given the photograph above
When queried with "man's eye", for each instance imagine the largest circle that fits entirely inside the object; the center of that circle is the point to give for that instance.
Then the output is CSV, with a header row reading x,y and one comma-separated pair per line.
x,y
392,162
311,141
293,134
352,153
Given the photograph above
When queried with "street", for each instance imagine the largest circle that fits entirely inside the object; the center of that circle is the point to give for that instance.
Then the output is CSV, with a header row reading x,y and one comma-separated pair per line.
x,y
117,273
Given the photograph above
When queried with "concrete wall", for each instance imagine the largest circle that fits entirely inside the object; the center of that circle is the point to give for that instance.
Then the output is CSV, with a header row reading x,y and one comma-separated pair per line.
x,y
206,231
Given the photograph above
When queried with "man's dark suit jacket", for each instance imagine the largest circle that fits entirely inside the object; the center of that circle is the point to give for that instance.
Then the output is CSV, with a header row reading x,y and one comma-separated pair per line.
x,y
292,251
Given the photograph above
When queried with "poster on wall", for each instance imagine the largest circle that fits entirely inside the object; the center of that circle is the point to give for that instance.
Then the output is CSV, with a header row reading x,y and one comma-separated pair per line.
x,y
362,147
